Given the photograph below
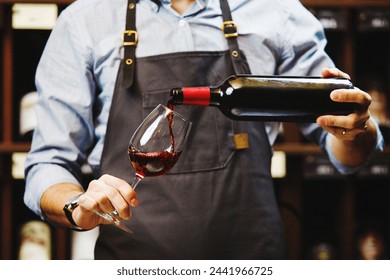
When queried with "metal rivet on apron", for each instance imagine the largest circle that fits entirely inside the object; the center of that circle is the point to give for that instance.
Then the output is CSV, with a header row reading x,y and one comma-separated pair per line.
x,y
129,61
241,141
234,53
131,6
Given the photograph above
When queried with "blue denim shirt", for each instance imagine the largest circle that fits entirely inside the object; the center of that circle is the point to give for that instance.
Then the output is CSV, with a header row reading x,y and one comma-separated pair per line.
x,y
76,75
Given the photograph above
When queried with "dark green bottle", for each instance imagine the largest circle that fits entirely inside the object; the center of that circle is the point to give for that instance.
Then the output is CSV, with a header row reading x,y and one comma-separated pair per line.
x,y
269,98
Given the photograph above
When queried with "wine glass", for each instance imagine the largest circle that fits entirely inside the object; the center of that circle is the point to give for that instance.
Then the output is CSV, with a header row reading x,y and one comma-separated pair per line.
x,y
154,149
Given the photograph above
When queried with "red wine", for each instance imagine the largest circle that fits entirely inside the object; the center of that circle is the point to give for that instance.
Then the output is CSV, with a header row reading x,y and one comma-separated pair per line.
x,y
170,125
269,98
152,164
170,105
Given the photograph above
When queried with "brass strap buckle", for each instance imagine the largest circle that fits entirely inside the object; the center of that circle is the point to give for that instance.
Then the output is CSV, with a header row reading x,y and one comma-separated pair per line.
x,y
229,28
130,38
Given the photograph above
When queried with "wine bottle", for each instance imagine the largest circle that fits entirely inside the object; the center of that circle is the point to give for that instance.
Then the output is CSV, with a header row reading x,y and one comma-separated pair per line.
x,y
35,241
269,98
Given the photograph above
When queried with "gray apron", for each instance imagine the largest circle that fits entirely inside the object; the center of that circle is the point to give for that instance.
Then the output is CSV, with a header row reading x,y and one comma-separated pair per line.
x,y
218,202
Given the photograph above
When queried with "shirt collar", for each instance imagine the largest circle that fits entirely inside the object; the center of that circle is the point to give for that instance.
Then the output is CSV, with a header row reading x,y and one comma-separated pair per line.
x,y
199,3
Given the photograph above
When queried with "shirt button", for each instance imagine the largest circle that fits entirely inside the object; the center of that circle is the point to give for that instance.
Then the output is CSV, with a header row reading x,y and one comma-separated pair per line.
x,y
182,22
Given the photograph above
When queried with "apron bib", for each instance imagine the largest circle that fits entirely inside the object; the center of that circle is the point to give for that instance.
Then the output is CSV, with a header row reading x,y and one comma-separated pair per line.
x,y
218,201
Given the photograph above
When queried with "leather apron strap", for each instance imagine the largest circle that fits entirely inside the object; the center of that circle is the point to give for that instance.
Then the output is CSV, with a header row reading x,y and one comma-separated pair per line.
x,y
130,40
230,29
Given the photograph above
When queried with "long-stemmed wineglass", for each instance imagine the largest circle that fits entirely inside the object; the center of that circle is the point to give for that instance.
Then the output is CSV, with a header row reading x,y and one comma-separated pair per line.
x,y
154,149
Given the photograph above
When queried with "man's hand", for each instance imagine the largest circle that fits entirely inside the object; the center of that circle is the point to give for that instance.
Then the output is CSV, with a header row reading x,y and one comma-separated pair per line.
x,y
354,135
106,194
347,127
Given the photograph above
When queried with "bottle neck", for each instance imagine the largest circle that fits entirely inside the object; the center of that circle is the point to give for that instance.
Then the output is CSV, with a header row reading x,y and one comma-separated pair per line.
x,y
200,96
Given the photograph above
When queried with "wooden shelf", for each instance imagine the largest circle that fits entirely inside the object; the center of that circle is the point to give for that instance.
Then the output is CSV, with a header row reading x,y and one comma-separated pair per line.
x,y
307,149
298,149
7,148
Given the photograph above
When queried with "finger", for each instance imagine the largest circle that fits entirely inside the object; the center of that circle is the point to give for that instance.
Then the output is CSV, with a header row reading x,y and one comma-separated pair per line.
x,y
340,130
105,198
88,204
363,99
342,133
124,189
352,121
346,134
85,218
334,72
120,194
97,197
330,122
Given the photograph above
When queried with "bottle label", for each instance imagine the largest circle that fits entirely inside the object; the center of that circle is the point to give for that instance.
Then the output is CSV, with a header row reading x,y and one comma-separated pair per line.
x,y
196,96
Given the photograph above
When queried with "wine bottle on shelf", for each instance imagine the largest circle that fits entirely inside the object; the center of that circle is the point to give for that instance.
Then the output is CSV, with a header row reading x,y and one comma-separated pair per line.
x,y
35,241
27,118
269,98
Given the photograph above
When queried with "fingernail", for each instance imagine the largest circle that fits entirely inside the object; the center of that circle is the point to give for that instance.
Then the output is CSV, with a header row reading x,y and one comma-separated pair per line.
x,y
321,121
134,202
335,95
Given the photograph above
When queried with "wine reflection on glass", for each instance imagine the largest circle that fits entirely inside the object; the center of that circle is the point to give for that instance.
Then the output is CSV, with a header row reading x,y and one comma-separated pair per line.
x,y
154,149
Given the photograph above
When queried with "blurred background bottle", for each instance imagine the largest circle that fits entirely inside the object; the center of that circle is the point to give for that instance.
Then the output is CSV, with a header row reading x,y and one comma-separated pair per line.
x,y
35,241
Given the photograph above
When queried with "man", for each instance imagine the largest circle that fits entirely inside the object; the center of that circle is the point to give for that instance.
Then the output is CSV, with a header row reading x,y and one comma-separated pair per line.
x,y
218,201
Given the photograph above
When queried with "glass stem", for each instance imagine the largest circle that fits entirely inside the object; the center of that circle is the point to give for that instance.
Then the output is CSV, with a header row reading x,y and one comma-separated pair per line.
x,y
135,182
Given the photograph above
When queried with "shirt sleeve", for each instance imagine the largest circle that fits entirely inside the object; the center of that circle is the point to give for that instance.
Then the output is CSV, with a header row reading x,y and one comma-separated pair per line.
x,y
344,169
302,42
64,130
316,134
